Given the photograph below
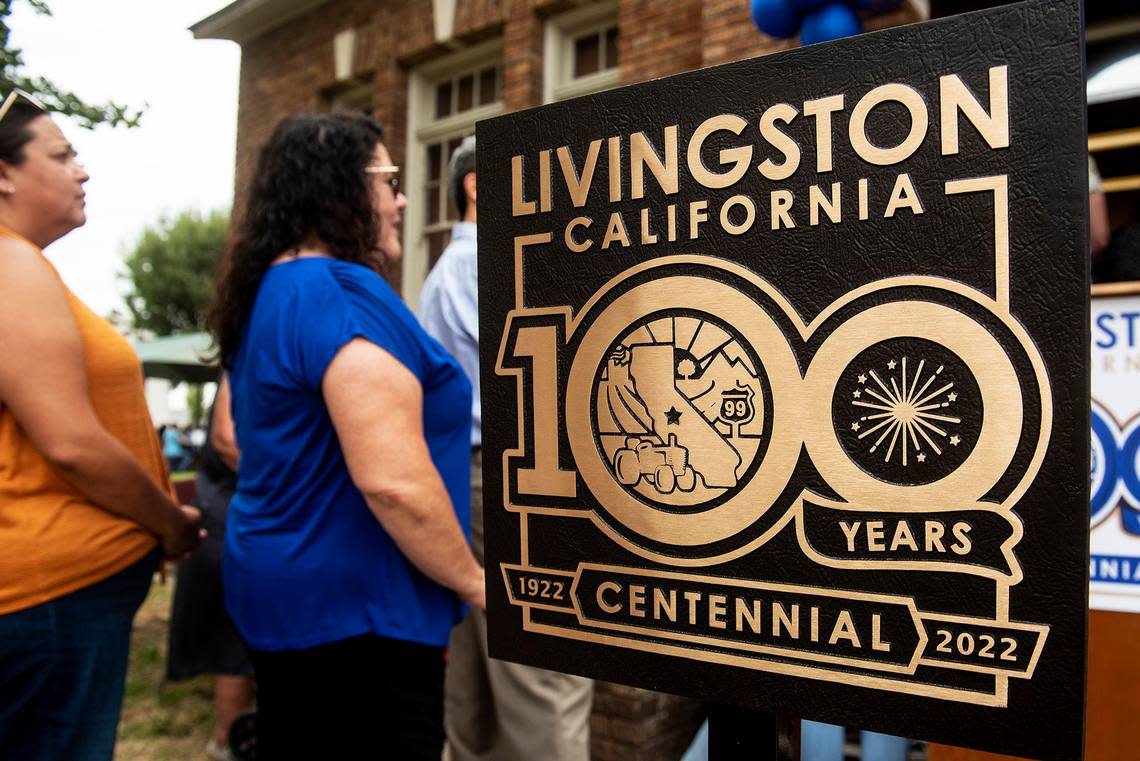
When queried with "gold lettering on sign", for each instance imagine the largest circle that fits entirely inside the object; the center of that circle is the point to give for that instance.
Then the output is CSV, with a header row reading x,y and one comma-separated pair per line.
x,y
738,157
637,600
608,586
781,205
615,230
579,185
749,215
844,629
817,200
822,109
780,141
955,96
573,244
642,154
519,206
692,598
698,212
744,615
665,607
614,145
877,642
540,344
647,236
899,93
544,201
717,610
904,196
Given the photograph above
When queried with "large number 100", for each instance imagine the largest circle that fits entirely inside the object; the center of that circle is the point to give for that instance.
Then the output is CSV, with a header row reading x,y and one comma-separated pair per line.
x,y
540,344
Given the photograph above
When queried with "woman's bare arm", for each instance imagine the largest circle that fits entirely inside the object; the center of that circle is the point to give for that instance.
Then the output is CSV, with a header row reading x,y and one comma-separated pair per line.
x,y
222,436
43,382
376,405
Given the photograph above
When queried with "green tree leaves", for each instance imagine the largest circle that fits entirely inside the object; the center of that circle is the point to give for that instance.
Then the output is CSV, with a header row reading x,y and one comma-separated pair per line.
x,y
170,270
54,97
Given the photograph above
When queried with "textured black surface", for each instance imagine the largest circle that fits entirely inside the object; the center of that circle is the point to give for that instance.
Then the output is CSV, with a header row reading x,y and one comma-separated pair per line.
x,y
813,266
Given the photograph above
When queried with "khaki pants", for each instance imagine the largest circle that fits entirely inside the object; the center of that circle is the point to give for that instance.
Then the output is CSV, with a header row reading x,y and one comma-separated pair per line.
x,y
499,711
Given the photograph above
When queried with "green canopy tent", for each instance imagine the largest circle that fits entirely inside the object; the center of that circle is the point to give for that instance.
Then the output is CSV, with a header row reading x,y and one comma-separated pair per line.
x,y
187,357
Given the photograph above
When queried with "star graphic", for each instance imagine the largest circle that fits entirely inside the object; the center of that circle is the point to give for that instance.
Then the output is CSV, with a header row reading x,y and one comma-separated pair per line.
x,y
855,393
891,365
862,378
673,416
955,439
952,396
854,426
922,456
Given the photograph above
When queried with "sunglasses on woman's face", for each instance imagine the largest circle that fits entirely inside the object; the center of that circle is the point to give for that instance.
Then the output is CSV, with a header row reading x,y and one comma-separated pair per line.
x,y
15,95
393,182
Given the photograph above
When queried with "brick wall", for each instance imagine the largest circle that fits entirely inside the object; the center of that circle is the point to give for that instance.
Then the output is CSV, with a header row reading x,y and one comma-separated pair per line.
x,y
290,69
629,724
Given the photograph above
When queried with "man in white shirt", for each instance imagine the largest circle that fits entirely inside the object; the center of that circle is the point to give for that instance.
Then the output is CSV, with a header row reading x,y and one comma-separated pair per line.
x,y
493,710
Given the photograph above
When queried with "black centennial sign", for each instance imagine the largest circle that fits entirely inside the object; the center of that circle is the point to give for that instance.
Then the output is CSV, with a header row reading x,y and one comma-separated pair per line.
x,y
785,386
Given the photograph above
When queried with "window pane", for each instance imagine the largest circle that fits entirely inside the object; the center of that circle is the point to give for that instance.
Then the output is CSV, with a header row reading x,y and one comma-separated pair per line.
x,y
432,202
436,241
435,162
586,55
611,61
443,100
488,82
466,93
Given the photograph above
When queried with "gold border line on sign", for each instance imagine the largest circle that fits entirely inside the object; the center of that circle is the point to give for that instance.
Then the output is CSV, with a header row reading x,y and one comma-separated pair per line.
x,y
998,185
1014,577
905,602
996,700
1041,630
920,620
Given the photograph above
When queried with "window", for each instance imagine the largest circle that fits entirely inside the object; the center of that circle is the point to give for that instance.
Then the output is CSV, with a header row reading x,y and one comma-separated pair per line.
x,y
446,98
355,97
581,52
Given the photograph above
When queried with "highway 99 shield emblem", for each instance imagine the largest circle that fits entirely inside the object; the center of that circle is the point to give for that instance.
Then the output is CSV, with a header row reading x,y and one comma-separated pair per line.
x,y
784,384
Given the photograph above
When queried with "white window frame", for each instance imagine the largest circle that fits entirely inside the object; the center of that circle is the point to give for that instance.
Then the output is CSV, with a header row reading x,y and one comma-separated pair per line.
x,y
423,129
355,97
558,81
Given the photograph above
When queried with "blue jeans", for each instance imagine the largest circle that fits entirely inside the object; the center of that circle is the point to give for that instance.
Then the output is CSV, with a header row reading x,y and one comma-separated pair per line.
x,y
824,742
819,742
62,668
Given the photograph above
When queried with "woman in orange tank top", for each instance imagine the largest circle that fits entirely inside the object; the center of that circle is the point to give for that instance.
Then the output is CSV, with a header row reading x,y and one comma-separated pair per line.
x,y
85,502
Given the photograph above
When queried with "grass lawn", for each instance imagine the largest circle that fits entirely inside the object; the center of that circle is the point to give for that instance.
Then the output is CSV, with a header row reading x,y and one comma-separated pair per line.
x,y
161,721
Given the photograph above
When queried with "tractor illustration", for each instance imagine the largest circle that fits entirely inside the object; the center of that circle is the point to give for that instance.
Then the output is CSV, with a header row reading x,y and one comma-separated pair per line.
x,y
666,467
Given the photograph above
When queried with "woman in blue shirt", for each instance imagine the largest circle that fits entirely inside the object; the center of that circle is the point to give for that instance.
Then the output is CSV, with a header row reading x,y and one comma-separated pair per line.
x,y
346,560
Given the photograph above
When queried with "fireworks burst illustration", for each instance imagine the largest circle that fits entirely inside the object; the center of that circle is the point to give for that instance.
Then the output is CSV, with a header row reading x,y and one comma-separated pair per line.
x,y
903,414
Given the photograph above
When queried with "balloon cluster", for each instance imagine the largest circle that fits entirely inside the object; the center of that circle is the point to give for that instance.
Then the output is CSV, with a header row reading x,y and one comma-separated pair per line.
x,y
815,20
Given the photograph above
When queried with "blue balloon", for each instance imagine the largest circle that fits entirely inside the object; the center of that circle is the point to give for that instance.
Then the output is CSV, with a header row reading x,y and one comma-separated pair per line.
x,y
807,6
831,22
877,6
776,18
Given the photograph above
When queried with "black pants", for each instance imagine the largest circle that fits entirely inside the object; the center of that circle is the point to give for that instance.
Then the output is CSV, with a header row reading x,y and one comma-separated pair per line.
x,y
362,698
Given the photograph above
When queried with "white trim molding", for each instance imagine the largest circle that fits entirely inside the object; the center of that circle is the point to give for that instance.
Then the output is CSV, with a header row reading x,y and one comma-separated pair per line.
x,y
443,17
423,130
559,33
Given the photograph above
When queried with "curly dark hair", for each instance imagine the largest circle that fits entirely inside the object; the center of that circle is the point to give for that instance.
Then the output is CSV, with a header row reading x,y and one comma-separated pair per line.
x,y
14,132
310,184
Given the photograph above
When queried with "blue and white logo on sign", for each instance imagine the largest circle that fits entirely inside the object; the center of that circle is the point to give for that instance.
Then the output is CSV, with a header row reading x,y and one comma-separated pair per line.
x,y
1115,472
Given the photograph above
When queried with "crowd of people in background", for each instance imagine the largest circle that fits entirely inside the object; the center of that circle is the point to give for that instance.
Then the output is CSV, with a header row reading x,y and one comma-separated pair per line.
x,y
181,446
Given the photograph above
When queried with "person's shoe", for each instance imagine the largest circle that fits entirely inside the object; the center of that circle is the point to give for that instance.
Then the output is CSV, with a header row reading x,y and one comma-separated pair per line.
x,y
218,752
